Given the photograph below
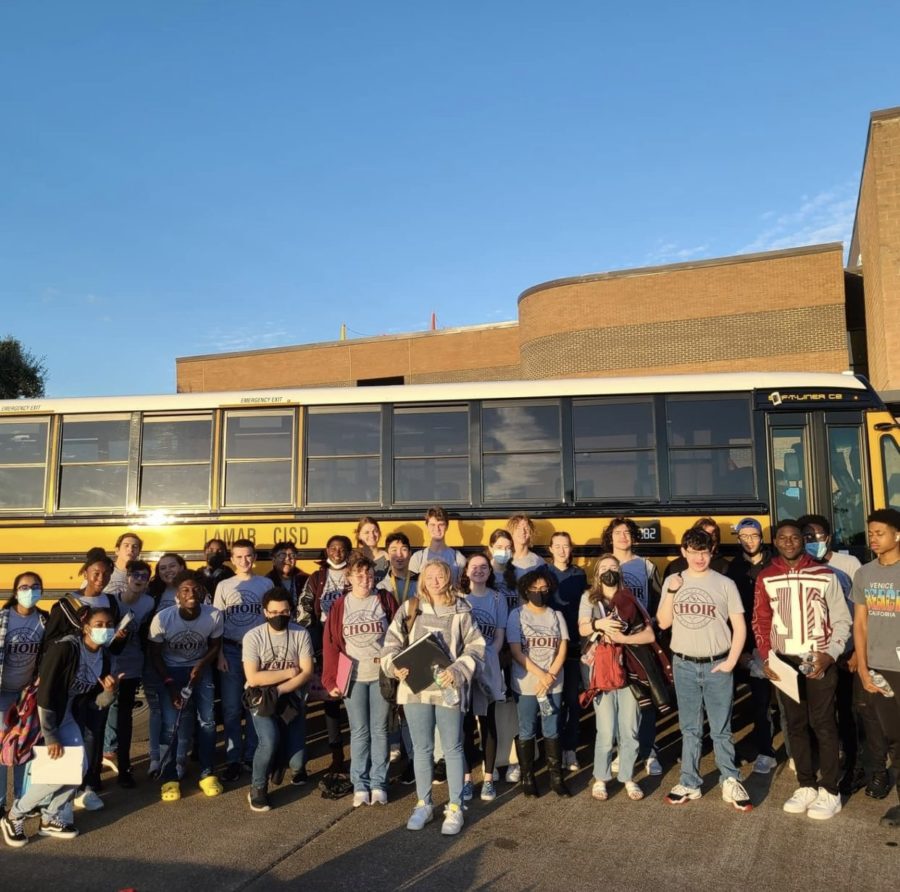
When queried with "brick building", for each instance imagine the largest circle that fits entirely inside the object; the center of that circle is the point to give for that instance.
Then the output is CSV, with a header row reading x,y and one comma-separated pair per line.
x,y
793,310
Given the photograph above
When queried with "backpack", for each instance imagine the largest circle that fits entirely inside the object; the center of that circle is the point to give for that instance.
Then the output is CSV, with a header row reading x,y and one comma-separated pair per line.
x,y
23,730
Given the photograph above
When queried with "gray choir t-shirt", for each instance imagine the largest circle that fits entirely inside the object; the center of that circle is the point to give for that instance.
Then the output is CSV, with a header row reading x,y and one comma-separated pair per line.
x,y
185,641
489,612
130,660
700,614
272,650
20,651
539,634
240,601
878,588
365,624
449,556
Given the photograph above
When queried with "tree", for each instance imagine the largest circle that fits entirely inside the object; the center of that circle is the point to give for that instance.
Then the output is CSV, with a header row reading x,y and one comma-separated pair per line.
x,y
22,374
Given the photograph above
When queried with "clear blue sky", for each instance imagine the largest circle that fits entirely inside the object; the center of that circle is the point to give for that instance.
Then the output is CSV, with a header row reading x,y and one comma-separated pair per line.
x,y
193,177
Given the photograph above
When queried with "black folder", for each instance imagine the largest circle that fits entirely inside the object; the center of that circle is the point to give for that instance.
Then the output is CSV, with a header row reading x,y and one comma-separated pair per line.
x,y
418,658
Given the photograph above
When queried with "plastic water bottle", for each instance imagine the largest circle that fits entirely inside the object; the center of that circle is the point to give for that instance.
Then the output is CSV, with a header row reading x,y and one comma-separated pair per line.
x,y
808,666
545,704
881,682
449,694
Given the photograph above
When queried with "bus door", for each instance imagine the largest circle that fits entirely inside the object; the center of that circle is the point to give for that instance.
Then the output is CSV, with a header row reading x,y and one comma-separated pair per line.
x,y
817,466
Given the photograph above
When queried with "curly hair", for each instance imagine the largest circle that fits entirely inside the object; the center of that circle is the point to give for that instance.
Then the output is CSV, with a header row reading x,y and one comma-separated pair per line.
x,y
606,537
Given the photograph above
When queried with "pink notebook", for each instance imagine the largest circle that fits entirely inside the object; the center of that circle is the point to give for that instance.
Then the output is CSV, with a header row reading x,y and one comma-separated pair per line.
x,y
344,672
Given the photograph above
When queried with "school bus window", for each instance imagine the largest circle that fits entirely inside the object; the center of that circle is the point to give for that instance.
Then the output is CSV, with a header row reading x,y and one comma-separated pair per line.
x,y
343,456
431,454
891,457
93,462
258,458
23,460
615,449
521,451
710,447
175,461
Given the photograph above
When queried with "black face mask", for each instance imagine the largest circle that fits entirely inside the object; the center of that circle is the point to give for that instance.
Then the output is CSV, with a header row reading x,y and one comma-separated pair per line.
x,y
610,578
216,560
278,623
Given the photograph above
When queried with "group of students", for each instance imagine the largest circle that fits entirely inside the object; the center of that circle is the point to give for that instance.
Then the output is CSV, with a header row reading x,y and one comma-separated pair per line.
x,y
508,622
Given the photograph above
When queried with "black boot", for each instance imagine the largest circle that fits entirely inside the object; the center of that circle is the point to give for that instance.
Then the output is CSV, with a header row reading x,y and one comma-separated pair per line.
x,y
554,767
525,751
337,765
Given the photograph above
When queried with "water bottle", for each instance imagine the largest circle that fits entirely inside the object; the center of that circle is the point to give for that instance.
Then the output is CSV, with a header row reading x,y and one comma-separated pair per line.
x,y
808,666
881,682
186,692
449,694
545,704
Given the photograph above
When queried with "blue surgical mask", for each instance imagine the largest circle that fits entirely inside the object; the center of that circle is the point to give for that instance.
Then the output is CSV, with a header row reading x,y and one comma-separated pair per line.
x,y
103,637
500,557
28,597
818,550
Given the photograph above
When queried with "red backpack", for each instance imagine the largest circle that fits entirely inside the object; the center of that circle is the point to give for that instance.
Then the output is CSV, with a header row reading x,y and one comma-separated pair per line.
x,y
607,670
23,730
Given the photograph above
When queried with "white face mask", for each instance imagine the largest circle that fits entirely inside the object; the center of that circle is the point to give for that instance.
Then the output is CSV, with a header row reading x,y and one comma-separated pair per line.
x,y
335,566
501,557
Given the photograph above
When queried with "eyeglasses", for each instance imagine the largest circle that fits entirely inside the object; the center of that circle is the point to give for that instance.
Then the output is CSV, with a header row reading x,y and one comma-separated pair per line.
x,y
814,537
539,591
28,588
139,577
749,537
285,556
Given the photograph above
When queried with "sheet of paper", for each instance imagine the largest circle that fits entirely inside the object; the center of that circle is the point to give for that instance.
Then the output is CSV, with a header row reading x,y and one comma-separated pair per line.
x,y
68,769
788,677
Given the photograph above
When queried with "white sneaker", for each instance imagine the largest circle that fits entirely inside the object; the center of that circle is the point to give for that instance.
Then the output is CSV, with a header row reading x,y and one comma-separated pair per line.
x,y
800,802
733,791
360,797
570,760
453,820
614,765
764,764
826,806
379,797
88,800
513,774
422,814
653,766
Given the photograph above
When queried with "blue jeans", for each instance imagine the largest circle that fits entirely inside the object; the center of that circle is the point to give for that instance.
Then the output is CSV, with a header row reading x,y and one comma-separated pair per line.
x,y
368,713
201,706
233,710
699,689
528,712
422,719
279,743
7,698
52,799
618,717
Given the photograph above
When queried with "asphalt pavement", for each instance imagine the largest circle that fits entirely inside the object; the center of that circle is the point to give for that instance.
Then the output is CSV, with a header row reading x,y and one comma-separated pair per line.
x,y
305,841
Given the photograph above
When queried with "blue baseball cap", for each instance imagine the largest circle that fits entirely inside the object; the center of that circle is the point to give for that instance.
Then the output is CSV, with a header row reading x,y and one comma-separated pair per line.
x,y
746,524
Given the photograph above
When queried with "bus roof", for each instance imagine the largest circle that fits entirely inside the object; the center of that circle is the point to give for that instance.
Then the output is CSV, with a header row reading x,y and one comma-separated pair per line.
x,y
727,382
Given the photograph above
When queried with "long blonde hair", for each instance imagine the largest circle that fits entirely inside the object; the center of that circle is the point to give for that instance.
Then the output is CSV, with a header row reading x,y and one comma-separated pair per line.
x,y
448,592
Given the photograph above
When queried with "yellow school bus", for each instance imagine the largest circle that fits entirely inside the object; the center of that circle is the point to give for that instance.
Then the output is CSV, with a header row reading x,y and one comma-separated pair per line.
x,y
301,465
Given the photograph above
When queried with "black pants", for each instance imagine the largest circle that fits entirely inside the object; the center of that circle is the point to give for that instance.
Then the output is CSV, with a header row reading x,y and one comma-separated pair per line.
x,y
333,723
761,702
887,711
487,729
814,713
127,690
92,723
846,718
873,747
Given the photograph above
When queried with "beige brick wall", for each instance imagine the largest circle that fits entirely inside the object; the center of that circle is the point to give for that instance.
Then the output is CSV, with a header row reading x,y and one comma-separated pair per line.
x,y
781,310
878,227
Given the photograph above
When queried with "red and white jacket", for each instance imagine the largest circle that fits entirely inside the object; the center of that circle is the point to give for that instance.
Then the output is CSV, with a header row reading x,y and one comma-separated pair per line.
x,y
798,609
